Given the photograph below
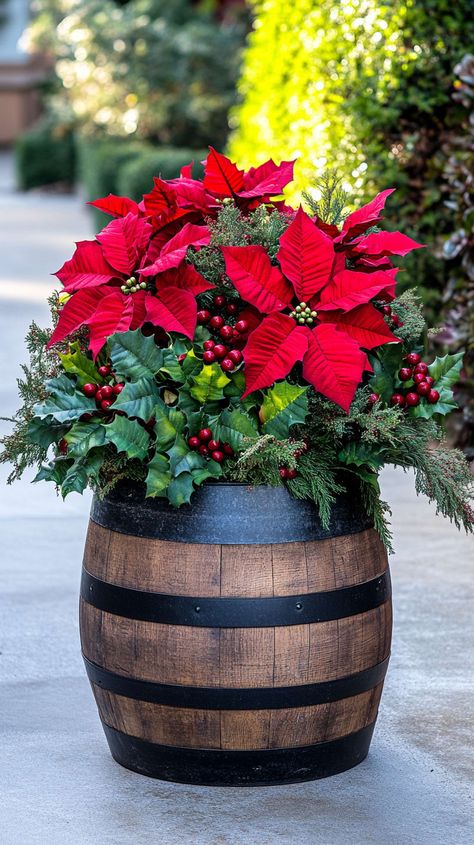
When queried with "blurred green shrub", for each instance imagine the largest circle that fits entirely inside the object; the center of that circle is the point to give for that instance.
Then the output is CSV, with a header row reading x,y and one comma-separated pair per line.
x,y
363,86
165,72
46,155
136,176
458,251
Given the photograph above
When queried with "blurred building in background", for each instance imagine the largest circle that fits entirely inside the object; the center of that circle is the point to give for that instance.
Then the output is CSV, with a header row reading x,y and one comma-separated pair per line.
x,y
20,74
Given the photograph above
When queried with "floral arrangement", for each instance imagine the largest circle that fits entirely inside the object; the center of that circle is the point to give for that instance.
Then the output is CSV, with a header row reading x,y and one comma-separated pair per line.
x,y
211,332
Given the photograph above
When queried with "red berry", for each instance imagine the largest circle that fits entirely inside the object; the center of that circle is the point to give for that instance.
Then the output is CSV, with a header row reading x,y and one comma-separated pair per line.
x,y
423,388
386,310
203,317
204,435
429,381
105,405
62,446
182,357
413,359
216,322
297,454
397,399
231,308
235,333
405,374
106,392
220,351
105,371
396,320
89,389
235,355
208,345
242,326
433,397
421,368
227,365
226,332
283,472
291,473
213,445
217,456
203,450
412,399
219,300
227,449
118,388
194,442
209,356
98,396
373,398
419,377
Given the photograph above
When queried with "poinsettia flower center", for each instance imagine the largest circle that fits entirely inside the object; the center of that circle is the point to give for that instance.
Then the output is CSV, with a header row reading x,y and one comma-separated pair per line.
x,y
132,285
304,315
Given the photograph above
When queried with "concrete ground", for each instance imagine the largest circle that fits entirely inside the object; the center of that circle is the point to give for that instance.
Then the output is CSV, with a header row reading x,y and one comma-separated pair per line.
x,y
58,782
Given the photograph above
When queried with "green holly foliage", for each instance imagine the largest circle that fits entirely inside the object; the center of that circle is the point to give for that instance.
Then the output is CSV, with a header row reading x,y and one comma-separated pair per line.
x,y
64,403
135,356
208,385
76,363
283,405
128,436
138,399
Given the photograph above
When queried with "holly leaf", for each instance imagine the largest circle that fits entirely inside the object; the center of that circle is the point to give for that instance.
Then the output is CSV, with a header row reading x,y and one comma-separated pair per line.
x,y
211,470
284,405
64,403
445,405
55,471
169,422
236,428
83,437
77,364
359,455
445,371
180,489
191,365
138,399
81,472
208,385
135,356
159,476
171,366
45,431
129,437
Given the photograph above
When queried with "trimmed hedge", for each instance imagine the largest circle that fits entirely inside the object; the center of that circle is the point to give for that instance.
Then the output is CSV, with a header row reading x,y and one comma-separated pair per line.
x,y
136,177
100,164
127,168
45,155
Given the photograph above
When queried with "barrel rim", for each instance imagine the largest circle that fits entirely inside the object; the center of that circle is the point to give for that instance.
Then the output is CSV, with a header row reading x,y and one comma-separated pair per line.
x,y
222,767
229,513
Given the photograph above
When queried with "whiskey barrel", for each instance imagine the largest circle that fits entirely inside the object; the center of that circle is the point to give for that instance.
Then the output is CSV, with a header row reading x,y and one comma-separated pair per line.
x,y
235,641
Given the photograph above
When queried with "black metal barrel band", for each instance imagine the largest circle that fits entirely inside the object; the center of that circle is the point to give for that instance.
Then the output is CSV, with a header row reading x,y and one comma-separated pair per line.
x,y
274,611
219,698
215,767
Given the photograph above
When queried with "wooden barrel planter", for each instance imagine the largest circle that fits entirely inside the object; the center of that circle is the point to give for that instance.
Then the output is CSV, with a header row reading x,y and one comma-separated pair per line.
x,y
235,641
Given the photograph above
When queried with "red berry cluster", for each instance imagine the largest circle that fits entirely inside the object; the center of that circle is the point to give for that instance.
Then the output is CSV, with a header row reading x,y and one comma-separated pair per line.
x,y
205,444
104,396
394,319
287,473
230,339
415,371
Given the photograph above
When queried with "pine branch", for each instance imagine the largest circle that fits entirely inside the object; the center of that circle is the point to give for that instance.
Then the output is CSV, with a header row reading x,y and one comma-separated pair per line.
x,y
331,205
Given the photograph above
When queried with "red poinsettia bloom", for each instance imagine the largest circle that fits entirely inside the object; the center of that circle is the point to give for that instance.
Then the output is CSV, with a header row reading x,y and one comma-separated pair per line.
x,y
334,321
127,277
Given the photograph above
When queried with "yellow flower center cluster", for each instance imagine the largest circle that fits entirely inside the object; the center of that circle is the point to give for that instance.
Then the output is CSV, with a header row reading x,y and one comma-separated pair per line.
x,y
303,314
